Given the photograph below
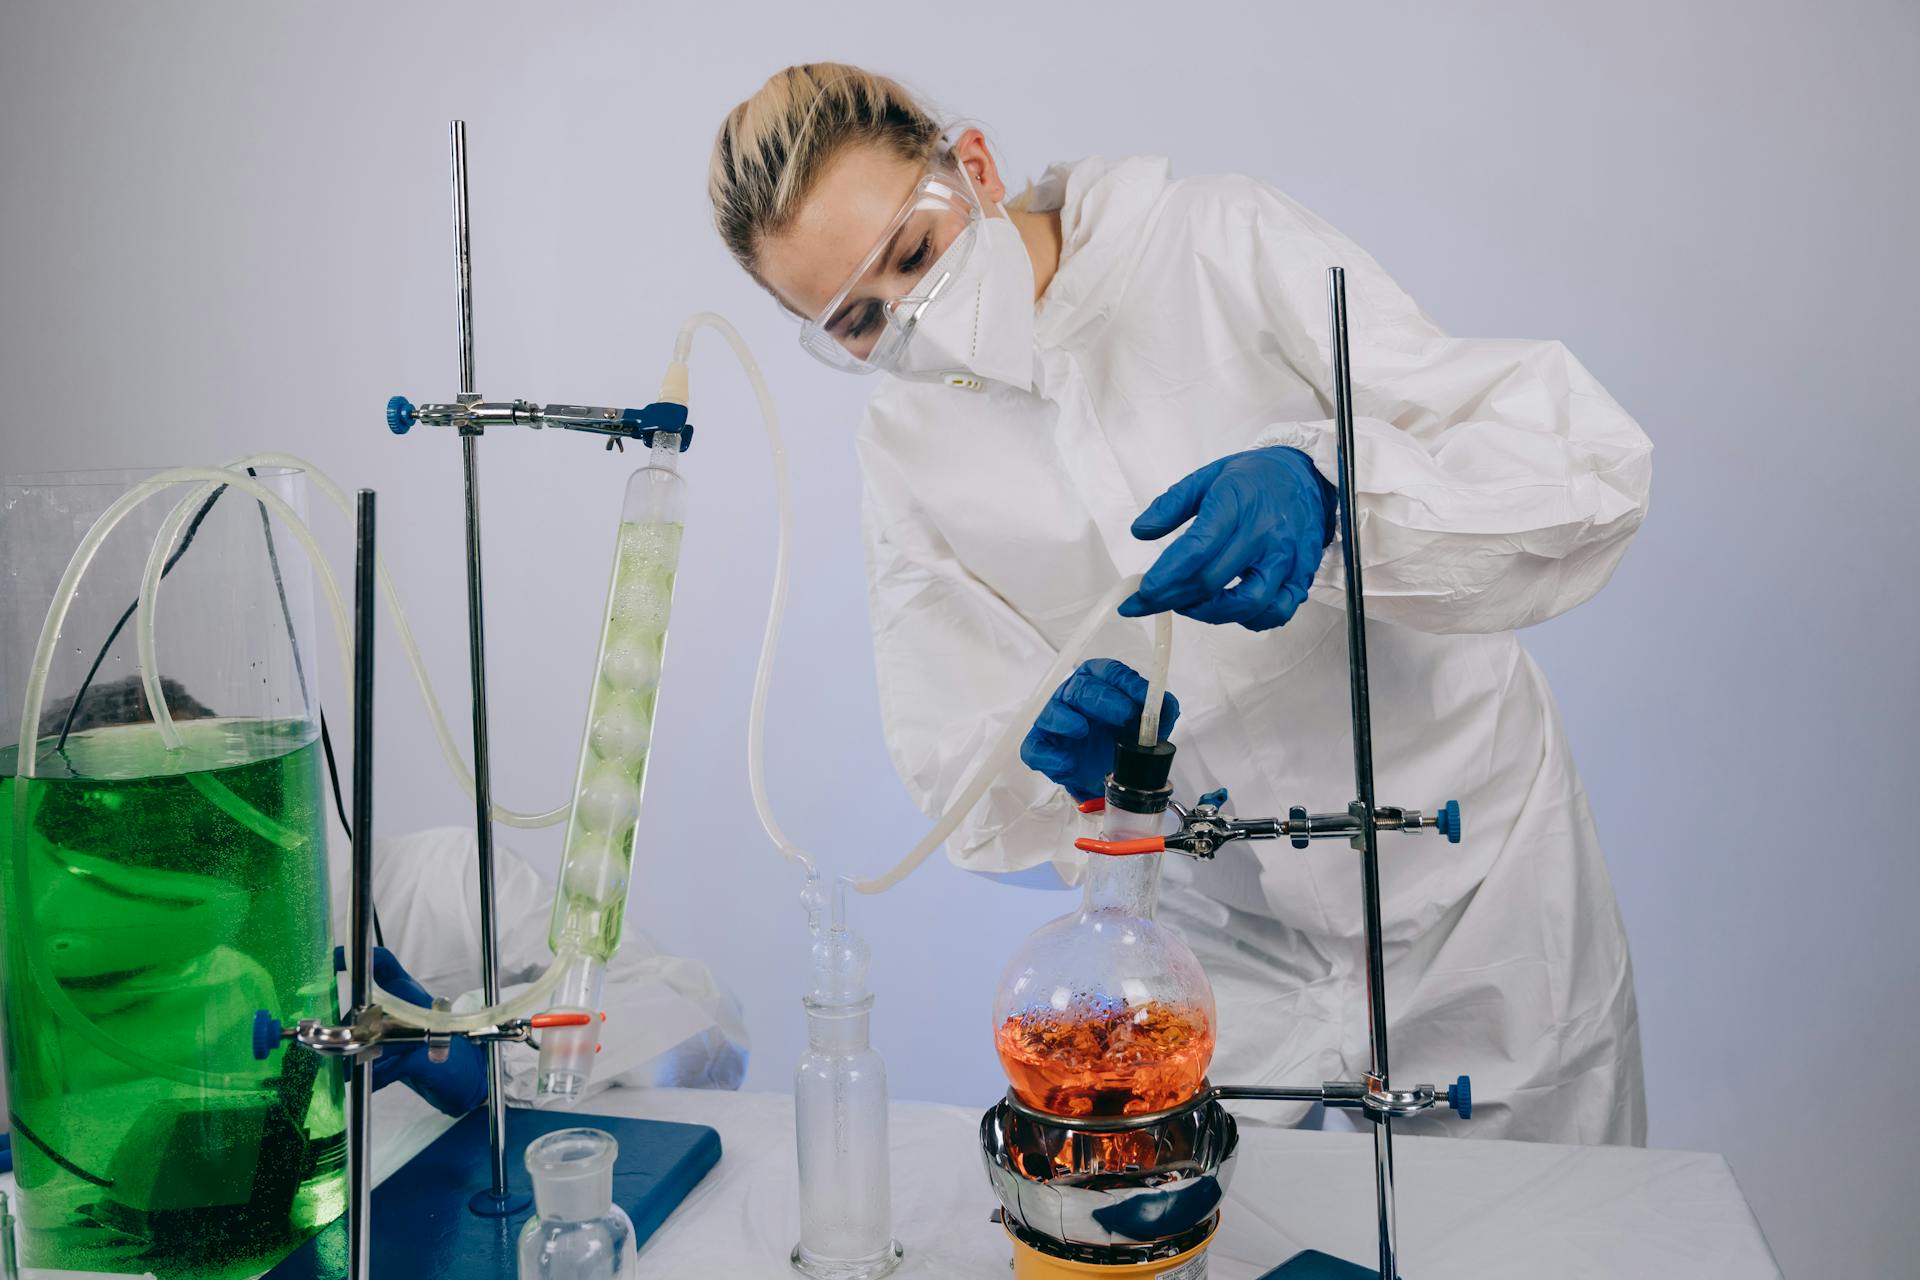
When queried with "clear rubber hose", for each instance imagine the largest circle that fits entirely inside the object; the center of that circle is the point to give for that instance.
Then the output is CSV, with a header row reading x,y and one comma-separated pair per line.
x,y
403,629
777,608
1008,746
1157,679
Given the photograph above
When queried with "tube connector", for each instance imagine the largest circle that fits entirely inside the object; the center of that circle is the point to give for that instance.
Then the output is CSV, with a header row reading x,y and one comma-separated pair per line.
x,y
673,387
568,1043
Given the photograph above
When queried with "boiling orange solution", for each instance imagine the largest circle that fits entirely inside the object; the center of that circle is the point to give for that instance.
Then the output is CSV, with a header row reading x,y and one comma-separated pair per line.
x,y
1111,1061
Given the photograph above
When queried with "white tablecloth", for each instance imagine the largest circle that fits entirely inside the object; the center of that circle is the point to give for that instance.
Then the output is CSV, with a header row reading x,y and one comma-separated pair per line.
x,y
1472,1210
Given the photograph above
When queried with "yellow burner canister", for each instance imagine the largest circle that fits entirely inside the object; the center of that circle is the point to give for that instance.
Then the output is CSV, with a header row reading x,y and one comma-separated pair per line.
x,y
1031,1264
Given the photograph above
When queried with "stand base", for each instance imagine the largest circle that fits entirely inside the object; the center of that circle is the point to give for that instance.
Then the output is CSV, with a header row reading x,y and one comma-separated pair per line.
x,y
424,1229
1311,1264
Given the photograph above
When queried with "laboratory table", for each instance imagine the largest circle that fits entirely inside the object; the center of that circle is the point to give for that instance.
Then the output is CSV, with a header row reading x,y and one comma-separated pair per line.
x,y
1471,1210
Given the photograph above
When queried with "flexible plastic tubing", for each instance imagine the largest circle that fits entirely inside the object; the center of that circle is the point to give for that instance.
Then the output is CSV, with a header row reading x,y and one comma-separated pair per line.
x,y
1157,680
1004,750
400,1010
403,628
777,608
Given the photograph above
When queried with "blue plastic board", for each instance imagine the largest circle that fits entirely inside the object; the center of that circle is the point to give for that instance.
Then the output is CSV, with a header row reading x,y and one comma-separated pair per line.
x,y
423,1230
1311,1264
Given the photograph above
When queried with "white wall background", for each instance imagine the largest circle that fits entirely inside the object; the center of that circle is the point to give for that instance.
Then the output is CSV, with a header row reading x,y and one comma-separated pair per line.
x,y
223,226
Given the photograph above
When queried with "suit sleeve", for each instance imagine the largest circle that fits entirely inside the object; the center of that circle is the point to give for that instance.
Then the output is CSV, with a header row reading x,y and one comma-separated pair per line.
x,y
953,662
1498,482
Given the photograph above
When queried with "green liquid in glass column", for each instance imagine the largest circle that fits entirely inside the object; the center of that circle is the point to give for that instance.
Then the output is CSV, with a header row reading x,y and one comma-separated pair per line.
x,y
161,898
613,763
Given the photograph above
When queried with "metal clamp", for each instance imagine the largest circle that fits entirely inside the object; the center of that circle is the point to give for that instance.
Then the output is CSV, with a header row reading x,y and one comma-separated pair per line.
x,y
370,1029
1370,1096
471,416
1204,829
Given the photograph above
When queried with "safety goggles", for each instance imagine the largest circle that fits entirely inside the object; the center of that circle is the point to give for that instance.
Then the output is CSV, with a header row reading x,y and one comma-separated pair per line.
x,y
872,318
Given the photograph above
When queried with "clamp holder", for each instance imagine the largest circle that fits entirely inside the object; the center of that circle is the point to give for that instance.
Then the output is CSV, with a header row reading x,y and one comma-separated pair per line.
x,y
472,417
1204,829
363,1036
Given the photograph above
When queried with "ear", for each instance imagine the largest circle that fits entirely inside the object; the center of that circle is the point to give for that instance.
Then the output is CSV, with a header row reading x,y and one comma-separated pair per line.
x,y
972,153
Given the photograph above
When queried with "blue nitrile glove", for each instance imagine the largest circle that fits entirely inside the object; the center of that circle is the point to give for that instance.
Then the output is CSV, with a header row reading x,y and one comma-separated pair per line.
x,y
1264,517
455,1086
1073,738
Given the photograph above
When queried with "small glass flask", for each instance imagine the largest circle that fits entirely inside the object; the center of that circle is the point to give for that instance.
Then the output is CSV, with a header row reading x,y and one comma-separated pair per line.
x,y
577,1232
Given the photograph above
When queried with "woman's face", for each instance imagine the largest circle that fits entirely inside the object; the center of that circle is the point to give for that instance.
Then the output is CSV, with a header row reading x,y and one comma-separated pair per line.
x,y
852,206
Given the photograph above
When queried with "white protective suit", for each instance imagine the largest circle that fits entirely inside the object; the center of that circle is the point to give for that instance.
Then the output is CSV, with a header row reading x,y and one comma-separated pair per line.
x,y
1499,485
668,1021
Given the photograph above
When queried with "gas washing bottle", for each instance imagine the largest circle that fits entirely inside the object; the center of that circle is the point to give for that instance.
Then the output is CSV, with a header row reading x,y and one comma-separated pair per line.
x,y
1105,1012
840,1118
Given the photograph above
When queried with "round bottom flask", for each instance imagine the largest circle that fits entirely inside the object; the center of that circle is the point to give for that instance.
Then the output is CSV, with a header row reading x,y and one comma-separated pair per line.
x,y
1105,1012
577,1232
1108,1155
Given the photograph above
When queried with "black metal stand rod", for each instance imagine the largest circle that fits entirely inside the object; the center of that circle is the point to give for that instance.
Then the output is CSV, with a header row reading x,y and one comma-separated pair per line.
x,y
477,665
1367,841
360,927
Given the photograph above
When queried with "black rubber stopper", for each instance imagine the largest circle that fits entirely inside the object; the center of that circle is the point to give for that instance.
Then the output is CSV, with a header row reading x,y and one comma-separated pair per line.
x,y
1139,768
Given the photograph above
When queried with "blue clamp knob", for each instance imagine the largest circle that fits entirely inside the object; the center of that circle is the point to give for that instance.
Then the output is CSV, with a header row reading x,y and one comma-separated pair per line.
x,y
266,1034
1447,822
399,415
661,415
1216,798
1460,1097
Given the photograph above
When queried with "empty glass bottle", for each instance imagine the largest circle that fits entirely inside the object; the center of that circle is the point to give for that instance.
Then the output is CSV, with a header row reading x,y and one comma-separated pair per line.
x,y
840,1123
577,1231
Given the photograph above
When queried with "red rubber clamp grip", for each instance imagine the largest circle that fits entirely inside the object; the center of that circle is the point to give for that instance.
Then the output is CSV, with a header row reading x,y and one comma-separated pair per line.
x,y
1121,848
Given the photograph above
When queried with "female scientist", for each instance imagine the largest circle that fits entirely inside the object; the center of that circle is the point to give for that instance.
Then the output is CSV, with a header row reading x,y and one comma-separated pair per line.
x,y
1082,370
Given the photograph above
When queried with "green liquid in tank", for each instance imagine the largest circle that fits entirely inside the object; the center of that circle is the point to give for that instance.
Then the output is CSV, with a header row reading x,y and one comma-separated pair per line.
x,y
161,898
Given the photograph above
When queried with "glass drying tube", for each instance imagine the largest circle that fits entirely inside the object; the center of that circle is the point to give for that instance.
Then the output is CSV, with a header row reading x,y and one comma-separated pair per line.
x,y
590,899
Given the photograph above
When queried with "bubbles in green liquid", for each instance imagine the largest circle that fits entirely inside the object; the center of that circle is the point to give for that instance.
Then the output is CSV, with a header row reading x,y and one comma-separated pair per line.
x,y
613,771
158,899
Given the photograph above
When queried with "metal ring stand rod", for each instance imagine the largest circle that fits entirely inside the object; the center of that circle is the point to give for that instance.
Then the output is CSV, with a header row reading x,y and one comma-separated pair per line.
x,y
1367,841
360,925
477,664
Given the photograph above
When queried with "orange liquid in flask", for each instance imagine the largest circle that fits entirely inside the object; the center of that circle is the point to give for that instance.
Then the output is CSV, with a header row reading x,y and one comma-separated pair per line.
x,y
1110,1060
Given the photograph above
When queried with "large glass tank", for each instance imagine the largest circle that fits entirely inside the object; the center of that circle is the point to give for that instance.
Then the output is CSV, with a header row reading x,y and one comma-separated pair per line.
x,y
160,884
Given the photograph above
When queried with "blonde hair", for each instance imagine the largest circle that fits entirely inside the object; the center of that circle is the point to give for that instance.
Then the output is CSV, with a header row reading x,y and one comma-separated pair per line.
x,y
773,147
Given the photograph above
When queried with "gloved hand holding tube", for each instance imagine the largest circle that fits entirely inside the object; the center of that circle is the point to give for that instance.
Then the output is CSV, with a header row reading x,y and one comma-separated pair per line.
x,y
1072,739
1261,522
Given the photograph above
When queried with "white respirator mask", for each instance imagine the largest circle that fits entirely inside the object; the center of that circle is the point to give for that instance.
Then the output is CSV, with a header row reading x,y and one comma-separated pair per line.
x,y
965,319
